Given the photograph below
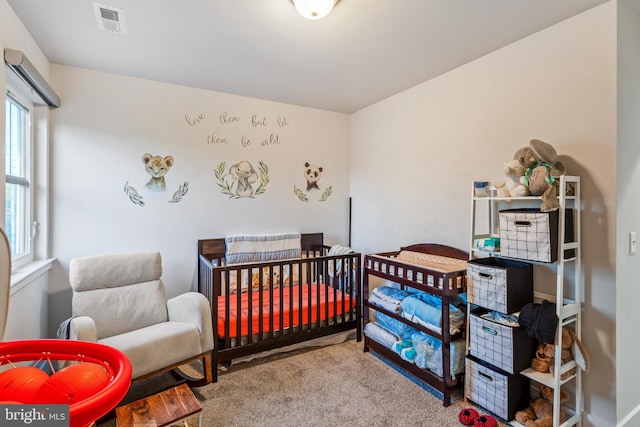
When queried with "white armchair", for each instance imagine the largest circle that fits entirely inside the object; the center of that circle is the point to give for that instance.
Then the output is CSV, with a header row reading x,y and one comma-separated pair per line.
x,y
119,300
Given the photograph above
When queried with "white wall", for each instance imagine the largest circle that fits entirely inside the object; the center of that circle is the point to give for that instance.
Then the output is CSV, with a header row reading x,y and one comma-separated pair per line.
x,y
108,122
416,154
32,323
628,176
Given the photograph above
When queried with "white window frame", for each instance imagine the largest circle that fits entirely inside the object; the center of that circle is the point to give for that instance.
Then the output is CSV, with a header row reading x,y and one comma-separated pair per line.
x,y
26,226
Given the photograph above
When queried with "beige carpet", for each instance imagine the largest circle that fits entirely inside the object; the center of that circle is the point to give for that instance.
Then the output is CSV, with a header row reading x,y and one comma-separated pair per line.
x,y
336,385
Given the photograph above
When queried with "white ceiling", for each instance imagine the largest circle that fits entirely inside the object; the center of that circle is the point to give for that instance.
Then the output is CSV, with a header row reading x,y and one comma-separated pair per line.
x,y
364,51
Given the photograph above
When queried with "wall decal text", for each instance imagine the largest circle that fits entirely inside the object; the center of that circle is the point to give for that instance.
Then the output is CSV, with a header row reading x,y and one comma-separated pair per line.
x,y
194,121
226,118
272,140
256,121
282,121
217,137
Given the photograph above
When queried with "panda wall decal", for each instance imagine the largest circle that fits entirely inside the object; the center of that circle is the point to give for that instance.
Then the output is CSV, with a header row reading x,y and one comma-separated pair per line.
x,y
157,167
312,174
241,179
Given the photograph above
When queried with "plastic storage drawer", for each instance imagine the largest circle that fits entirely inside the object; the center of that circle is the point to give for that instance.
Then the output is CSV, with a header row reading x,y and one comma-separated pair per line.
x,y
500,393
499,284
506,347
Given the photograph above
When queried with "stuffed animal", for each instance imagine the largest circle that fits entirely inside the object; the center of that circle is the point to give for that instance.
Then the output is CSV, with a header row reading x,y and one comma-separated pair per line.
x,y
572,349
542,170
540,410
267,281
544,359
513,184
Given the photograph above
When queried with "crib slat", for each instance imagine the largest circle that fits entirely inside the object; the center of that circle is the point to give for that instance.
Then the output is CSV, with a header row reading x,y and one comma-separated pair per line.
x,y
228,307
271,306
238,303
281,299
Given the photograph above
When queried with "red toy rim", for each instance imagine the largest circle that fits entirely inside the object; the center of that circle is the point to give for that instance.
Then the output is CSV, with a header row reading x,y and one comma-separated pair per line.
x,y
118,366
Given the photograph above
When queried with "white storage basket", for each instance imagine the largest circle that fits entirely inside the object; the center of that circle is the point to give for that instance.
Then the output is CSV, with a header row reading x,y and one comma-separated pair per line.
x,y
505,347
499,393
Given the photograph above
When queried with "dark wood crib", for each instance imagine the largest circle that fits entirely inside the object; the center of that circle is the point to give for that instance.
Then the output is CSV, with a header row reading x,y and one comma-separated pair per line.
x,y
261,306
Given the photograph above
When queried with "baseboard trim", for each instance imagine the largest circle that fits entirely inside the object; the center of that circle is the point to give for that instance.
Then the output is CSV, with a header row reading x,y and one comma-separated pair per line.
x,y
632,418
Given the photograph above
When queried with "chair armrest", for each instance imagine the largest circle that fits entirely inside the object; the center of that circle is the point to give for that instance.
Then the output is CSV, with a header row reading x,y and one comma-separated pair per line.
x,y
83,328
193,307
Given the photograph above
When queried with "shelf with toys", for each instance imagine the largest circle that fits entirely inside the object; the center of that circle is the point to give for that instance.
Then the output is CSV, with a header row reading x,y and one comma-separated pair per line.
x,y
509,229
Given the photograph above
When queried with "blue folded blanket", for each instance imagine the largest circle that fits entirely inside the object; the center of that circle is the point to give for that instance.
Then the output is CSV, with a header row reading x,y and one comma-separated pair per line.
x,y
391,294
394,325
426,309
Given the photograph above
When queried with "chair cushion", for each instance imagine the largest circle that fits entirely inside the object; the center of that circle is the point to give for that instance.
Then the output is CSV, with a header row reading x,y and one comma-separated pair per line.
x,y
108,271
148,348
124,309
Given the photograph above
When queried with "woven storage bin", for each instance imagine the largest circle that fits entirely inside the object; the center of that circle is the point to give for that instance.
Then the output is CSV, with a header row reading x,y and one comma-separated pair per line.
x,y
532,235
500,393
499,284
505,347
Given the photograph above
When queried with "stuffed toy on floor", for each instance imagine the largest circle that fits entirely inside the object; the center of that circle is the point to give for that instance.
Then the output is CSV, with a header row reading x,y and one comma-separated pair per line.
x,y
540,411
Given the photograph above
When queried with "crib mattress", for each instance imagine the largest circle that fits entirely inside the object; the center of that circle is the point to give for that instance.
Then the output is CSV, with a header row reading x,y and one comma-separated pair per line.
x,y
301,304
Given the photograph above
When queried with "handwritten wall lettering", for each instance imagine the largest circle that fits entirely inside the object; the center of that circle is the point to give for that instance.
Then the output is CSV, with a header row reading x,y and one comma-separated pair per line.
x,y
226,118
215,140
272,140
268,125
255,121
282,122
193,122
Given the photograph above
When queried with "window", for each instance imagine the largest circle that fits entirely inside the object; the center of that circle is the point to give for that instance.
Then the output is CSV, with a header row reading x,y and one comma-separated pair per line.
x,y
18,215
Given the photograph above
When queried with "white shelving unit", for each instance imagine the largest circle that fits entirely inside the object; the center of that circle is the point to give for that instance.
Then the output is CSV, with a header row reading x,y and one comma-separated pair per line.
x,y
568,289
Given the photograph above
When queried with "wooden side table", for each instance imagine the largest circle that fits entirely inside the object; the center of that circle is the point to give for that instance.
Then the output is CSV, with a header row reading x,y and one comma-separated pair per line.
x,y
177,404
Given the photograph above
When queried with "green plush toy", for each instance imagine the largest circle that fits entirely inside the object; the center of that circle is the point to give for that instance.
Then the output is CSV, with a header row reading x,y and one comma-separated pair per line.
x,y
542,172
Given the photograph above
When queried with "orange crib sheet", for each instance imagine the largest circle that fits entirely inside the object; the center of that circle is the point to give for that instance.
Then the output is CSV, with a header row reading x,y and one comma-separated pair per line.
x,y
326,296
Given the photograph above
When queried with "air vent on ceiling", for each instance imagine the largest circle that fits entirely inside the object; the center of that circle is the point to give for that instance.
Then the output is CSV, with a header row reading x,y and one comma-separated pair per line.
x,y
109,18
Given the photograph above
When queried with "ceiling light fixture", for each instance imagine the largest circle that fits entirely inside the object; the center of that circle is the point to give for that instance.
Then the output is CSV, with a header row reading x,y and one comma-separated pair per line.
x,y
314,9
